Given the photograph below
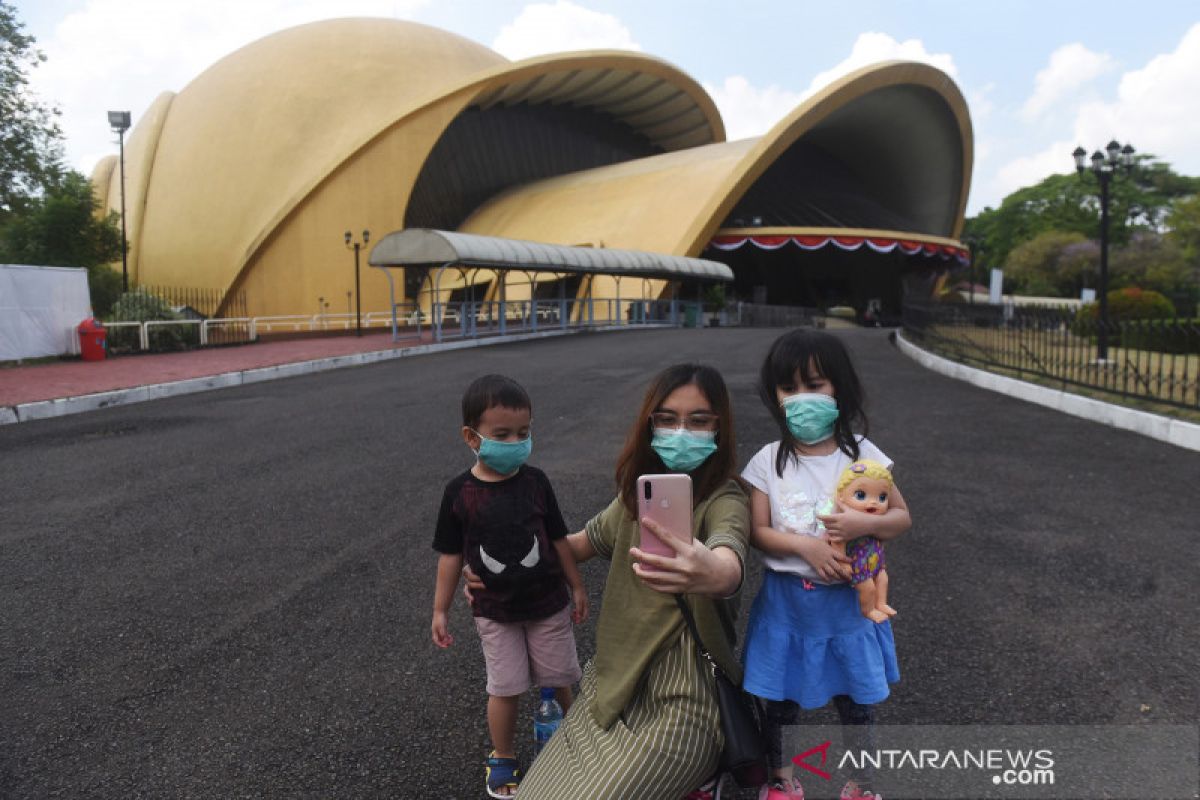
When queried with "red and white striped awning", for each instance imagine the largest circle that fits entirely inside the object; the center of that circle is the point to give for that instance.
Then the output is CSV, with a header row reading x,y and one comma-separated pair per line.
x,y
816,242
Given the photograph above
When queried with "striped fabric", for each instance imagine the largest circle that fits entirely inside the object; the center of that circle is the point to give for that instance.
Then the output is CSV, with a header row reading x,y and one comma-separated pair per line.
x,y
665,745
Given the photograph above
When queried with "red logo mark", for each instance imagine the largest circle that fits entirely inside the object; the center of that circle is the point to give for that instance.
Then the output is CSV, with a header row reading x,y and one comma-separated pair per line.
x,y
823,749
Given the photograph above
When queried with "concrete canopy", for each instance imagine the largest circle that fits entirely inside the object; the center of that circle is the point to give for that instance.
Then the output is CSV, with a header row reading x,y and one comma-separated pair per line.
x,y
427,248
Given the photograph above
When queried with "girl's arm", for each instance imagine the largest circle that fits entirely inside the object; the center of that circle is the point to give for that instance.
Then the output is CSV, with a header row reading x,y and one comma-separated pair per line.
x,y
443,594
846,524
829,564
579,597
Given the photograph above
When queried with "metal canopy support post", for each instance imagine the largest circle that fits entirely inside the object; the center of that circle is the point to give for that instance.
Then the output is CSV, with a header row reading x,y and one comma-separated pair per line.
x,y
392,299
562,300
503,301
617,310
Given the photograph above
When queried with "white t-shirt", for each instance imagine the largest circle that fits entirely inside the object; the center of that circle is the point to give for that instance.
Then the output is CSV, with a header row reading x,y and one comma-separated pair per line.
x,y
805,491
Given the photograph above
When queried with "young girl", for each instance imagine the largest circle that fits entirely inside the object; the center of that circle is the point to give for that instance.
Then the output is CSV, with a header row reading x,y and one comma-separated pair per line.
x,y
806,642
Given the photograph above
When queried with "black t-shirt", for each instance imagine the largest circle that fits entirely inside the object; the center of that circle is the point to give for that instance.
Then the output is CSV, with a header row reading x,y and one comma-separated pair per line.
x,y
505,532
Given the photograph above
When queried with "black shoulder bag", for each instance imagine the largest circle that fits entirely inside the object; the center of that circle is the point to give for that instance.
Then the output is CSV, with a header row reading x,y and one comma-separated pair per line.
x,y
745,753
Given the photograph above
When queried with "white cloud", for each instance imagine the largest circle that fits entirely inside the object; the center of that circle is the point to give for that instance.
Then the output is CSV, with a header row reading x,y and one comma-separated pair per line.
x,y
120,54
1071,67
748,110
544,28
871,48
1157,110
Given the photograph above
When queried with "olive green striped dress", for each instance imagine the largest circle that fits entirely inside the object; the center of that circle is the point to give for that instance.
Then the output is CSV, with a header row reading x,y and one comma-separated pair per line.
x,y
645,725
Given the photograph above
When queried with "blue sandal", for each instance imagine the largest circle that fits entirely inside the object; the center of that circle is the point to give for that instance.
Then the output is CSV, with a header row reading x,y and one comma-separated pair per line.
x,y
502,773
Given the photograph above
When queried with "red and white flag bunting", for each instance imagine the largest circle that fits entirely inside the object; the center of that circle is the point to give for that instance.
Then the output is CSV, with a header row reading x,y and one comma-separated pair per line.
x,y
909,248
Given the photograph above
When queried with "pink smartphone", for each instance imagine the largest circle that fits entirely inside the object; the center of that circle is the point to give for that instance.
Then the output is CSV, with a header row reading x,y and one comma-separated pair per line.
x,y
666,499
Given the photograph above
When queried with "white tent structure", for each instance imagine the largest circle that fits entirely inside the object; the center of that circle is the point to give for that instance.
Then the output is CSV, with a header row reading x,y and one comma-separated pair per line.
x,y
40,308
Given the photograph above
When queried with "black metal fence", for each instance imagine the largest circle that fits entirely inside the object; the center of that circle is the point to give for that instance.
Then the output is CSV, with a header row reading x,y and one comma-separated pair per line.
x,y
1156,360
191,307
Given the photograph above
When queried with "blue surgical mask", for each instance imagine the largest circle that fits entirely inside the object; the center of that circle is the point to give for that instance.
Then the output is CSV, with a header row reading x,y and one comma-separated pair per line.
x,y
810,417
504,457
682,450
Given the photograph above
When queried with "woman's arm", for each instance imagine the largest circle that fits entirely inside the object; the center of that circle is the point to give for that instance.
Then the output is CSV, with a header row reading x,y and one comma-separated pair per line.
x,y
846,524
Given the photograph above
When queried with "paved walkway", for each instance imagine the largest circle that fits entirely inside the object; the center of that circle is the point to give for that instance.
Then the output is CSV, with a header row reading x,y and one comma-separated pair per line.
x,y
227,594
27,384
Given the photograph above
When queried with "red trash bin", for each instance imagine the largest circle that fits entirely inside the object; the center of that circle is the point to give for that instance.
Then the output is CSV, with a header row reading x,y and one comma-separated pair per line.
x,y
93,340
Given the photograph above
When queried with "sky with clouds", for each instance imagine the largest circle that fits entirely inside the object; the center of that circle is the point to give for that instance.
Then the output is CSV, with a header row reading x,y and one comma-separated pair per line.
x,y
1040,76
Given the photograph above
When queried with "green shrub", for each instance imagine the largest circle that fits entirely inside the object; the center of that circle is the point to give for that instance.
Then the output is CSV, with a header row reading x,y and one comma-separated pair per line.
x,y
1132,303
141,306
104,284
1161,335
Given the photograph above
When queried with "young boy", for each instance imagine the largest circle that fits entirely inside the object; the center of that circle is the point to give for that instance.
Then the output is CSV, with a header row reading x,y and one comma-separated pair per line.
x,y
502,517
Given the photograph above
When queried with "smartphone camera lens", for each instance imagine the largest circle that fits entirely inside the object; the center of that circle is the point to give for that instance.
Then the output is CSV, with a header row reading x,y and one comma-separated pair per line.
x,y
646,489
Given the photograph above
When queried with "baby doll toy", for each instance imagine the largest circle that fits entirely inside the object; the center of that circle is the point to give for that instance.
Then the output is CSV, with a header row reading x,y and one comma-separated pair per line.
x,y
865,486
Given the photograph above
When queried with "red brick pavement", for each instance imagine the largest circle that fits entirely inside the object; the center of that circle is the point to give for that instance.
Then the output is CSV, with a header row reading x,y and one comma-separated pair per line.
x,y
27,384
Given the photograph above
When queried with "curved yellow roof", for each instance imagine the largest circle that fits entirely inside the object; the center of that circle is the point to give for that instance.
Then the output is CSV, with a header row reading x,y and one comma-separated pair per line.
x,y
262,124
890,120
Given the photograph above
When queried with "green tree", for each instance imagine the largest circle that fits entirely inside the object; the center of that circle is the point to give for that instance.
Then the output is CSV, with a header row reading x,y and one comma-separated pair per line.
x,y
1071,203
61,228
1051,264
1153,261
30,139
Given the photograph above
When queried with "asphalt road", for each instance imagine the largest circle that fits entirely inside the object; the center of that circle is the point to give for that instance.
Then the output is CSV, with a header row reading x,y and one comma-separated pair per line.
x,y
228,594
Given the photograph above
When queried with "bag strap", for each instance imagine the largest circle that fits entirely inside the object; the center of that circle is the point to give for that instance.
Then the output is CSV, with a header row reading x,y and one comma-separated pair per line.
x,y
691,623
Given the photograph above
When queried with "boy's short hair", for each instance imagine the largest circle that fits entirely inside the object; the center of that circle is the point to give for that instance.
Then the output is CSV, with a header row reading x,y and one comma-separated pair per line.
x,y
488,392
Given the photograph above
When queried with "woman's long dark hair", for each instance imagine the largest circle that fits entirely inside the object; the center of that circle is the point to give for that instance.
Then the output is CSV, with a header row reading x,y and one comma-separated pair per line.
x,y
804,350
638,457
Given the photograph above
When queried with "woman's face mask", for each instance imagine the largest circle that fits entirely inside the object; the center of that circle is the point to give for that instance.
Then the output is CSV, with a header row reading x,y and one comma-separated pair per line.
x,y
682,450
810,417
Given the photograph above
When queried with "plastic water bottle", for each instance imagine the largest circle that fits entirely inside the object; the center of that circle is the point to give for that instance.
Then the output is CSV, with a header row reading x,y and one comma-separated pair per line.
x,y
546,719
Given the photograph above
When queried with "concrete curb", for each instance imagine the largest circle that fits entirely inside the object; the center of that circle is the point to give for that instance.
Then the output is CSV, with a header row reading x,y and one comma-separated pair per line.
x,y
1173,431
46,409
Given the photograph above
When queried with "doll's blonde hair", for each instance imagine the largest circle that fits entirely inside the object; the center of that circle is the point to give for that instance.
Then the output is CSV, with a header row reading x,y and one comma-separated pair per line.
x,y
866,468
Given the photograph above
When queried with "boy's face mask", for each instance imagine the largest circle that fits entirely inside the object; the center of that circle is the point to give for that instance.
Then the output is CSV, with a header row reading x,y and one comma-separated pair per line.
x,y
810,417
504,457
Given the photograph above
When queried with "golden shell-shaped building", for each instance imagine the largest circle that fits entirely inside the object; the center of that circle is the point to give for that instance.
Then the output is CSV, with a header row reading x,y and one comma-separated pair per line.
x,y
246,179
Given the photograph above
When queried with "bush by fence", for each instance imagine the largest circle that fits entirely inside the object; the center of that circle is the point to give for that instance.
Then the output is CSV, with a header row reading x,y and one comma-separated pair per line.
x,y
1151,359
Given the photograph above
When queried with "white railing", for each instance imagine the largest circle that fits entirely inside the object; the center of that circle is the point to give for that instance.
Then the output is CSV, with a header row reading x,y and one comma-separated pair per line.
x,y
465,319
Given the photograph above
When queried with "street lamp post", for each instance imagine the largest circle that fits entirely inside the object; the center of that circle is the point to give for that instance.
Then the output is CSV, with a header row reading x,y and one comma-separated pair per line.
x,y
366,237
119,122
1104,168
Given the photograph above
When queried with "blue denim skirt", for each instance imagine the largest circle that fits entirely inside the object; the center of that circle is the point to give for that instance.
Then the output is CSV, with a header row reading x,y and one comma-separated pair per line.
x,y
809,644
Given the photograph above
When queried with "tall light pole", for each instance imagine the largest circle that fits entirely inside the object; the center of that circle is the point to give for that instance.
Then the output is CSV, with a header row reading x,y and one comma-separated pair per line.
x,y
1104,169
119,122
366,237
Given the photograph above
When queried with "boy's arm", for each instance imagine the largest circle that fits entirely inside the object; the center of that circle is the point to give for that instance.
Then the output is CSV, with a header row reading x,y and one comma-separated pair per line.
x,y
448,571
581,547
847,524
579,597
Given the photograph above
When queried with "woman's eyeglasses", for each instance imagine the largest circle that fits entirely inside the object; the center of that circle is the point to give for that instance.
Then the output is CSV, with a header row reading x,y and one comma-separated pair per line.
x,y
693,422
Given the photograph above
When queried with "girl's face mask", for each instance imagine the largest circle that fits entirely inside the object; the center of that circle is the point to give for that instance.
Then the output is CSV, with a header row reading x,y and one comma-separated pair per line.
x,y
810,417
682,450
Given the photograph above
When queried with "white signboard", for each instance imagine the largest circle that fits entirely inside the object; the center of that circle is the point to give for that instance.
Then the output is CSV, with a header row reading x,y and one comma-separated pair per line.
x,y
40,308
996,289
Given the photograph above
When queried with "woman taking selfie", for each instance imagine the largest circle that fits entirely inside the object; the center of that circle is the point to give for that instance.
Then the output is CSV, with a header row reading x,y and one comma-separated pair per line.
x,y
645,723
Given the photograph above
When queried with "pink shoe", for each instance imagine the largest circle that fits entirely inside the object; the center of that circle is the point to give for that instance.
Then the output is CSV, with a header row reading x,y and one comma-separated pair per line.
x,y
711,790
852,791
780,789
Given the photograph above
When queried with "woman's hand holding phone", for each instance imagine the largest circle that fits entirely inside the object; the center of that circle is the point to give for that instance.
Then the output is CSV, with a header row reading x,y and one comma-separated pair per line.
x,y
693,569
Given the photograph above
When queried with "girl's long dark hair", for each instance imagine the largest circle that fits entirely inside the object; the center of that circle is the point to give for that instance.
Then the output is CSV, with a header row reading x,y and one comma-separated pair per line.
x,y
803,350
638,457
